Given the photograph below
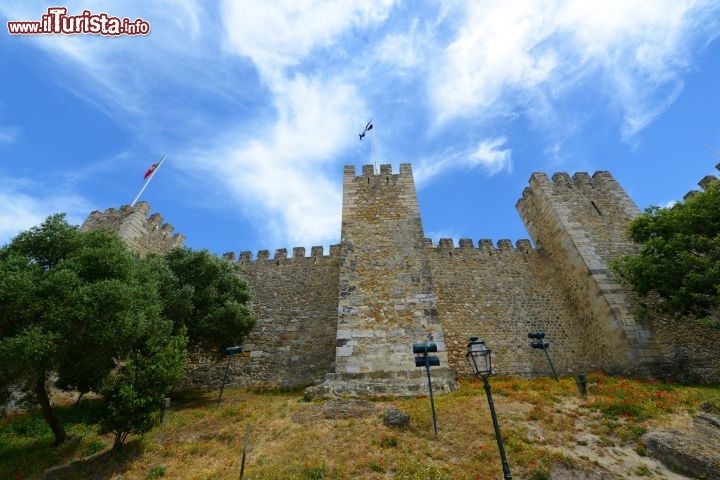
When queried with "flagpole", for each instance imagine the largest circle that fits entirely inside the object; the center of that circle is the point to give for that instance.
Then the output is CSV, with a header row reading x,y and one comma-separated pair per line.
x,y
374,152
712,152
147,182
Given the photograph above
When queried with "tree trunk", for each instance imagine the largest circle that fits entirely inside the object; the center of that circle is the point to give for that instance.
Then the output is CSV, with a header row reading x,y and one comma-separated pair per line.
x,y
47,413
119,440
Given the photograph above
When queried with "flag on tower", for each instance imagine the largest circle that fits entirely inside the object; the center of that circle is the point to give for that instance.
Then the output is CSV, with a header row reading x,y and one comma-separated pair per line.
x,y
368,127
150,170
148,178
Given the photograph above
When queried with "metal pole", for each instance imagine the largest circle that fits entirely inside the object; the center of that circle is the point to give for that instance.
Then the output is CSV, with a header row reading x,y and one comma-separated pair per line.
x,y
551,364
505,466
712,152
374,152
245,443
432,402
148,181
222,387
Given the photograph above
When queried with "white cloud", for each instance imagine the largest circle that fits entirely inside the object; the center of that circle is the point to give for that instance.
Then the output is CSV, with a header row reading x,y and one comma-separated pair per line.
x,y
126,76
511,56
278,179
280,33
403,50
26,204
642,49
490,157
491,54
278,175
488,154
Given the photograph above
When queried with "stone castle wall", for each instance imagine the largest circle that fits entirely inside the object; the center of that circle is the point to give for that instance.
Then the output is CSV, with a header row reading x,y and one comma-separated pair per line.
x,y
689,351
295,303
347,320
499,294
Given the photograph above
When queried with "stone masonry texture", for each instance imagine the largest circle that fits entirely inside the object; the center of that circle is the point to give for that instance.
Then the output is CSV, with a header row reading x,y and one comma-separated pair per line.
x,y
343,322
142,234
386,300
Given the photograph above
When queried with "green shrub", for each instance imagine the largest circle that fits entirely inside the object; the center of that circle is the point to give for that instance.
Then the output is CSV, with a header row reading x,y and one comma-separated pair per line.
x,y
388,441
156,472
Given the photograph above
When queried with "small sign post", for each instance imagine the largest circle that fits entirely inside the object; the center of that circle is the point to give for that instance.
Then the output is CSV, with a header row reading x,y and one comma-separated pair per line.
x,y
424,360
538,342
230,351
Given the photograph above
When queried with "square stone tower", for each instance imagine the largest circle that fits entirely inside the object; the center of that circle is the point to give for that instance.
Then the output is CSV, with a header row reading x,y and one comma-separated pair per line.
x,y
580,223
386,298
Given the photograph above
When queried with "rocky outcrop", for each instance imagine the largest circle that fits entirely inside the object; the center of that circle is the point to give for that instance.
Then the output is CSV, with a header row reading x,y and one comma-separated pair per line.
x,y
691,450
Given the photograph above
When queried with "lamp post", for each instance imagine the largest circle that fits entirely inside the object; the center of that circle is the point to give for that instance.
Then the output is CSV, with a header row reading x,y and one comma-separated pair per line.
x,y
479,357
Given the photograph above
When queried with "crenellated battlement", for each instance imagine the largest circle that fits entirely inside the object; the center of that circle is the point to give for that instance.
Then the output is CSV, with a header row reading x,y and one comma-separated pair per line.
x,y
385,175
369,171
484,246
281,255
706,181
600,183
596,196
143,234
601,179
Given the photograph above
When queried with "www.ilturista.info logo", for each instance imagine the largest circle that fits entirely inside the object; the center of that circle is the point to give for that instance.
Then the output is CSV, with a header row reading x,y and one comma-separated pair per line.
x,y
57,21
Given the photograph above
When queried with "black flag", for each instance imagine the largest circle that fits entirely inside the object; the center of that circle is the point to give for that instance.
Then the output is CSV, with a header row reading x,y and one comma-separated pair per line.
x,y
368,127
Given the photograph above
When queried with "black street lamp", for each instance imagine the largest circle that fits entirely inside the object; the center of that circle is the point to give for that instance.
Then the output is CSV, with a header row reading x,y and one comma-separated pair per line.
x,y
479,357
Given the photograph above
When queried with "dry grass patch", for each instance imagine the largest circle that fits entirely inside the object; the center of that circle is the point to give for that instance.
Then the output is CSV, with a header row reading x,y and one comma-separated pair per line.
x,y
546,426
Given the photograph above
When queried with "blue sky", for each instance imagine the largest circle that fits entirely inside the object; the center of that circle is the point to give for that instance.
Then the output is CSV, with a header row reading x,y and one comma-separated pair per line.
x,y
258,105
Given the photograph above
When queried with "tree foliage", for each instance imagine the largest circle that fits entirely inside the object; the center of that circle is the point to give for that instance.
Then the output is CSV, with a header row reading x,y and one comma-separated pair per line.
x,y
679,258
205,295
133,392
79,308
71,303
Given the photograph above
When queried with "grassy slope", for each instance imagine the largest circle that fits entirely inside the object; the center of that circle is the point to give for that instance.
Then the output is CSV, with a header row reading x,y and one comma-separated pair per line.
x,y
545,425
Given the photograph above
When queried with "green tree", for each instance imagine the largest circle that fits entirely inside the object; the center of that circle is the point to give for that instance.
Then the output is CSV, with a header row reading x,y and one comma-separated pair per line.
x,y
679,258
133,392
204,294
207,303
80,308
71,304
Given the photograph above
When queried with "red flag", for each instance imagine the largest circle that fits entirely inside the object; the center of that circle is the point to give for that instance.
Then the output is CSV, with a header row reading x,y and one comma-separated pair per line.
x,y
150,170
149,176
